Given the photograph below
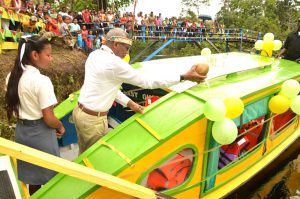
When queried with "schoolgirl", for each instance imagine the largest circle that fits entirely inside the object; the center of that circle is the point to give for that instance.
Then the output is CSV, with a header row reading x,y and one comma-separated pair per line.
x,y
30,97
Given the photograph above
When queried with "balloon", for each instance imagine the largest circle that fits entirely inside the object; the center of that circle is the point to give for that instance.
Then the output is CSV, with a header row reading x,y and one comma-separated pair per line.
x,y
290,88
224,131
269,37
277,45
126,58
205,52
267,48
214,109
258,44
268,45
234,107
295,105
279,104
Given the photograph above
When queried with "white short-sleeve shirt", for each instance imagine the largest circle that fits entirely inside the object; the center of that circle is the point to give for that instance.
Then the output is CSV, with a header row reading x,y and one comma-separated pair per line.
x,y
104,74
36,92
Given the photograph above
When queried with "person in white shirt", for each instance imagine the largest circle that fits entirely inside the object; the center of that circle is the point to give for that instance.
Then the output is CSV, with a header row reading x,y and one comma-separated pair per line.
x,y
105,71
30,97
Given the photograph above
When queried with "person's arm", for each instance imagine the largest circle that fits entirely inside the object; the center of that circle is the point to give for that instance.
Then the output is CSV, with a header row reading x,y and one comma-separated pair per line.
x,y
127,102
281,53
125,73
45,92
52,23
68,31
52,121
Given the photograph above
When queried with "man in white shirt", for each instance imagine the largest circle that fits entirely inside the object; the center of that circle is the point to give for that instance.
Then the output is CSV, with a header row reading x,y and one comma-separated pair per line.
x,y
105,71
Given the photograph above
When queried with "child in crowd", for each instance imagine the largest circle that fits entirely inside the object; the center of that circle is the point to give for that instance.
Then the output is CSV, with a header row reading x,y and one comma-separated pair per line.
x,y
90,41
65,32
80,42
97,42
51,24
30,97
84,35
74,27
40,15
29,28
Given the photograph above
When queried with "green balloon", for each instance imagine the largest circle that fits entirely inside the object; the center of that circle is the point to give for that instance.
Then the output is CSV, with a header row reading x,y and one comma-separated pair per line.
x,y
295,105
224,131
290,88
214,109
258,44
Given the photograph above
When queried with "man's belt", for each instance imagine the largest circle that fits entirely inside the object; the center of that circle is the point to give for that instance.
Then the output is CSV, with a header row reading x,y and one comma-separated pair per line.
x,y
90,112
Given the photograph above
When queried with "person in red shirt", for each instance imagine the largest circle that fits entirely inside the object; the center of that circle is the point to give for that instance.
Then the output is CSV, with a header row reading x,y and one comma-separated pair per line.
x,y
86,16
84,36
51,24
123,21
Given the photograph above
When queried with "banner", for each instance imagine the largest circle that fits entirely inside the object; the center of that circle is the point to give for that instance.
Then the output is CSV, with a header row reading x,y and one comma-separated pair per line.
x,y
1,12
20,16
2,35
11,16
14,35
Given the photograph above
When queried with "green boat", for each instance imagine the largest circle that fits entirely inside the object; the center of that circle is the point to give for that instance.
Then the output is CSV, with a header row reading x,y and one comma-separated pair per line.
x,y
170,149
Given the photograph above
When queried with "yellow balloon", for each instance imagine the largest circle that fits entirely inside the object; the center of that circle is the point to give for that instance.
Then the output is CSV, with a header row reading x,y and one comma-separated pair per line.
x,y
267,48
258,44
279,104
234,107
277,44
269,37
205,52
127,58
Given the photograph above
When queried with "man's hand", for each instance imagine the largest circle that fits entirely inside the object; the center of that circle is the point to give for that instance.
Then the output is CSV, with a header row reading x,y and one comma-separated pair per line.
x,y
135,107
278,55
193,76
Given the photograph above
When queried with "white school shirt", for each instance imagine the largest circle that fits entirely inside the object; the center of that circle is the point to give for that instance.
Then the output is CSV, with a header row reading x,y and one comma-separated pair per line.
x,y
36,92
104,74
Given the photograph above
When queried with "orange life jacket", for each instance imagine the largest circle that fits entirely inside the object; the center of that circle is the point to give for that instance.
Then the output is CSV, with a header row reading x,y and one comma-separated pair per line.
x,y
170,175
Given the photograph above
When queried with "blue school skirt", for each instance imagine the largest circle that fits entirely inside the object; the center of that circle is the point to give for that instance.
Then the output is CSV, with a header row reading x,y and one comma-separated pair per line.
x,y
36,134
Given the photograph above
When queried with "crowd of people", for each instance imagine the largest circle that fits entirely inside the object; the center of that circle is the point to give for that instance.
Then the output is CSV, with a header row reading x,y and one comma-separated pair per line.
x,y
85,29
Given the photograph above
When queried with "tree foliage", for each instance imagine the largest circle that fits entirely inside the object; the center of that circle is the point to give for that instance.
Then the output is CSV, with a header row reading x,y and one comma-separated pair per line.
x,y
117,4
277,16
196,4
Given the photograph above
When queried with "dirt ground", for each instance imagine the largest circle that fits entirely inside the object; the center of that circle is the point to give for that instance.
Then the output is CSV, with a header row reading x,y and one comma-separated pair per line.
x,y
66,72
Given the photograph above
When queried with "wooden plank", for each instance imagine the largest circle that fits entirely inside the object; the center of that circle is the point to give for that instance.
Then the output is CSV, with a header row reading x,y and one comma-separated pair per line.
x,y
73,169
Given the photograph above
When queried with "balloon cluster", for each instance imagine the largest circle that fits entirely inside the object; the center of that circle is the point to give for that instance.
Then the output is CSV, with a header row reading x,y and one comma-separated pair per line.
x,y
267,45
224,130
287,98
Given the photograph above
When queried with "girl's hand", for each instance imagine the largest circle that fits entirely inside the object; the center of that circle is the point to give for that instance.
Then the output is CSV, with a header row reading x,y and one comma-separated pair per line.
x,y
60,131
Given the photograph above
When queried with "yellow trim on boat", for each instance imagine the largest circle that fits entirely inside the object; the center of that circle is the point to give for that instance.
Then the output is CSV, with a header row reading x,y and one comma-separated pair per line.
x,y
87,163
67,167
119,153
194,135
25,190
148,128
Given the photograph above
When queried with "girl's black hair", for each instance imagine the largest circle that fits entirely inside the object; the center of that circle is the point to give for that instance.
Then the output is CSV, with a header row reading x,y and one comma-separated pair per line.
x,y
12,100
